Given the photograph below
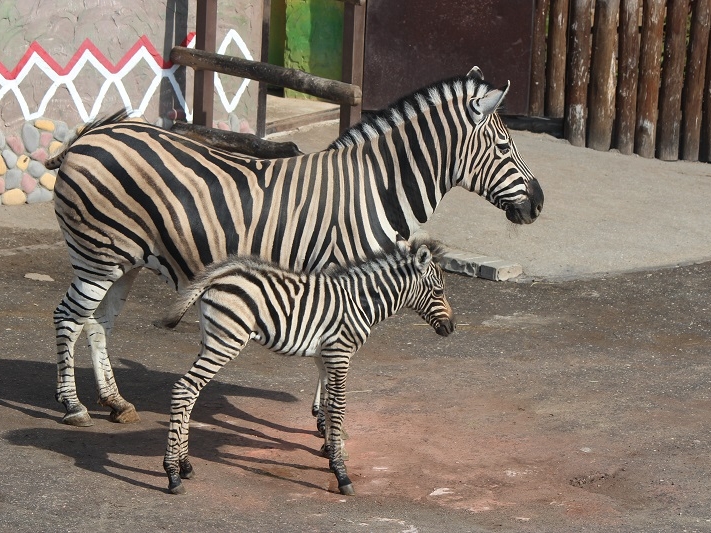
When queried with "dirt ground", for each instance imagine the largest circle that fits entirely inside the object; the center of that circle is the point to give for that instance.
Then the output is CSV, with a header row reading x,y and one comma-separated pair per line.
x,y
571,406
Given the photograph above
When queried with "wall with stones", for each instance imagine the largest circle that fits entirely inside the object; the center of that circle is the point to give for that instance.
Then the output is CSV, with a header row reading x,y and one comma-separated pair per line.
x,y
65,62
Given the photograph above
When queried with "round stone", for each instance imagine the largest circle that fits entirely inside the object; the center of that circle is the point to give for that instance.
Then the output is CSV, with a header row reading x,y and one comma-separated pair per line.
x,y
30,136
61,130
44,124
9,157
15,144
48,180
28,183
23,162
13,179
40,194
36,169
14,197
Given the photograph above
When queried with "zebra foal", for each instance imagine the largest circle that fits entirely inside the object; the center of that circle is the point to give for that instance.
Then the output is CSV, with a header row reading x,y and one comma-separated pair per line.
x,y
324,315
131,195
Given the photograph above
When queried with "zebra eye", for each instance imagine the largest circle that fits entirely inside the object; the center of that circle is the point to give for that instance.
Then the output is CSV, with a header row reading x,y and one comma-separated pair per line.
x,y
503,148
437,292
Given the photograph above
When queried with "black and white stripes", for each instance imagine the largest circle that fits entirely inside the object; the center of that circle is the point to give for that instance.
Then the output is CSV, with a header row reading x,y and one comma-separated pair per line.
x,y
131,195
327,316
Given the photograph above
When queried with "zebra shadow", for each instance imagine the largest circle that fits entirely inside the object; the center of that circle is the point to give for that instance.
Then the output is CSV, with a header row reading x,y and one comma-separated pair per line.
x,y
219,430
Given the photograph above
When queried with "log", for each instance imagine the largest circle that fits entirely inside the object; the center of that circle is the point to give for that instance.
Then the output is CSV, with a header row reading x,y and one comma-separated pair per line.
x,y
353,2
538,59
331,90
672,80
242,143
576,90
705,144
555,71
204,82
352,60
649,77
692,97
602,75
627,65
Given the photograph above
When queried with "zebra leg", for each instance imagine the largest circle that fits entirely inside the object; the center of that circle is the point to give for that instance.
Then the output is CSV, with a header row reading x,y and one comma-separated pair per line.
x,y
79,303
336,367
98,327
213,356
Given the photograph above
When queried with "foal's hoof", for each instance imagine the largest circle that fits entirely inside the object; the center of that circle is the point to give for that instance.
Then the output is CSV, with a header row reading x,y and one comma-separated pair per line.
x,y
128,415
79,418
177,489
347,490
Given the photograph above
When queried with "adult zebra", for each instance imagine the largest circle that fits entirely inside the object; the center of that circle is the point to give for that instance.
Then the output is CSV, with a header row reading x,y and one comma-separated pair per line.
x,y
325,316
131,195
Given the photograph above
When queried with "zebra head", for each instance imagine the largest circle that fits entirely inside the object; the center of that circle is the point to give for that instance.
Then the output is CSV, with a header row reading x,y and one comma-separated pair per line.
x,y
491,165
427,296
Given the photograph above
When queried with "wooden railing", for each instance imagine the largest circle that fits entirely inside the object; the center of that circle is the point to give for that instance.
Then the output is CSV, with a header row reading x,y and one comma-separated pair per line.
x,y
634,75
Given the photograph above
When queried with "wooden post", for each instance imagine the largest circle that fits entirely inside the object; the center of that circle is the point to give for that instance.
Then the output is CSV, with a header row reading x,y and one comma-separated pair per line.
x,y
538,59
627,66
694,84
555,71
261,128
602,75
705,142
578,71
204,82
649,76
672,80
352,64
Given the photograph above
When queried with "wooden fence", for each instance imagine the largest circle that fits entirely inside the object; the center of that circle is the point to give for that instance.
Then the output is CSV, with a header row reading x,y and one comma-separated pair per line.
x,y
634,75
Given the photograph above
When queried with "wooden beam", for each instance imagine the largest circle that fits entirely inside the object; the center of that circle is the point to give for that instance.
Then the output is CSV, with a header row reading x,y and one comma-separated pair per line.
x,y
628,63
538,59
555,69
352,62
261,128
353,2
232,141
331,90
204,82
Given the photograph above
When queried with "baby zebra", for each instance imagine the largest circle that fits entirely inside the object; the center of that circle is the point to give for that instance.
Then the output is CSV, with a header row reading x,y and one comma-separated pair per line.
x,y
327,315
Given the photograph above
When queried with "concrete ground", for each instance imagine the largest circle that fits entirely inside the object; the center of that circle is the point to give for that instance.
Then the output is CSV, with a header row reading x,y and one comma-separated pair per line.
x,y
575,400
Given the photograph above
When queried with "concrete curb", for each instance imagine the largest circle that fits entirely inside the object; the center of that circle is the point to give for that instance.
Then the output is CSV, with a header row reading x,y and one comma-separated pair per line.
x,y
481,266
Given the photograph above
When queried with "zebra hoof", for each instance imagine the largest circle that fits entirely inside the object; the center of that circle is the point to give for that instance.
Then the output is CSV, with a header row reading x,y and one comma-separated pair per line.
x,y
79,418
347,490
177,489
126,416
186,471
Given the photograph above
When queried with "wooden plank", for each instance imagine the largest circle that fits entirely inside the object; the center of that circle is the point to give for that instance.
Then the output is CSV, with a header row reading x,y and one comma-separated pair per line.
x,y
628,63
692,97
555,71
232,141
602,75
332,90
538,59
672,80
261,128
649,77
204,82
353,2
352,62
576,90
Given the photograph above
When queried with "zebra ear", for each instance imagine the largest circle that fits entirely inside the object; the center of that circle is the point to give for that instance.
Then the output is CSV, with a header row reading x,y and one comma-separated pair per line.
x,y
485,105
476,73
423,258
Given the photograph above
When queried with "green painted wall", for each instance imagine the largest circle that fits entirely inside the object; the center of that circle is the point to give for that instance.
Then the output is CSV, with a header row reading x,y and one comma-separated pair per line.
x,y
314,34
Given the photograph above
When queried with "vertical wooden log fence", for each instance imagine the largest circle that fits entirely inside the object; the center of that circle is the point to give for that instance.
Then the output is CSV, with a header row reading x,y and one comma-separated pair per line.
x,y
642,86
628,63
692,97
578,60
602,75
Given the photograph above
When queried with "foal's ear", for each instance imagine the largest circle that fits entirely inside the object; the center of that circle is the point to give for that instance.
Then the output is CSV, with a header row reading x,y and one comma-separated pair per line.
x,y
423,258
402,244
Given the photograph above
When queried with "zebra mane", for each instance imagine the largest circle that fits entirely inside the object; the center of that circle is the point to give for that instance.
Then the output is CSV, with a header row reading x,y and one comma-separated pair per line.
x,y
388,257
406,108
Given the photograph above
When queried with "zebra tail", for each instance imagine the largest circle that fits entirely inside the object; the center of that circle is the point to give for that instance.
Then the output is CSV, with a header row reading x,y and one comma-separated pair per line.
x,y
55,161
185,302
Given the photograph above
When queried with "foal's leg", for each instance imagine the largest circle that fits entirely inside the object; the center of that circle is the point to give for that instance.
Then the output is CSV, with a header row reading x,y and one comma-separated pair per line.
x,y
76,308
335,363
98,327
217,350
